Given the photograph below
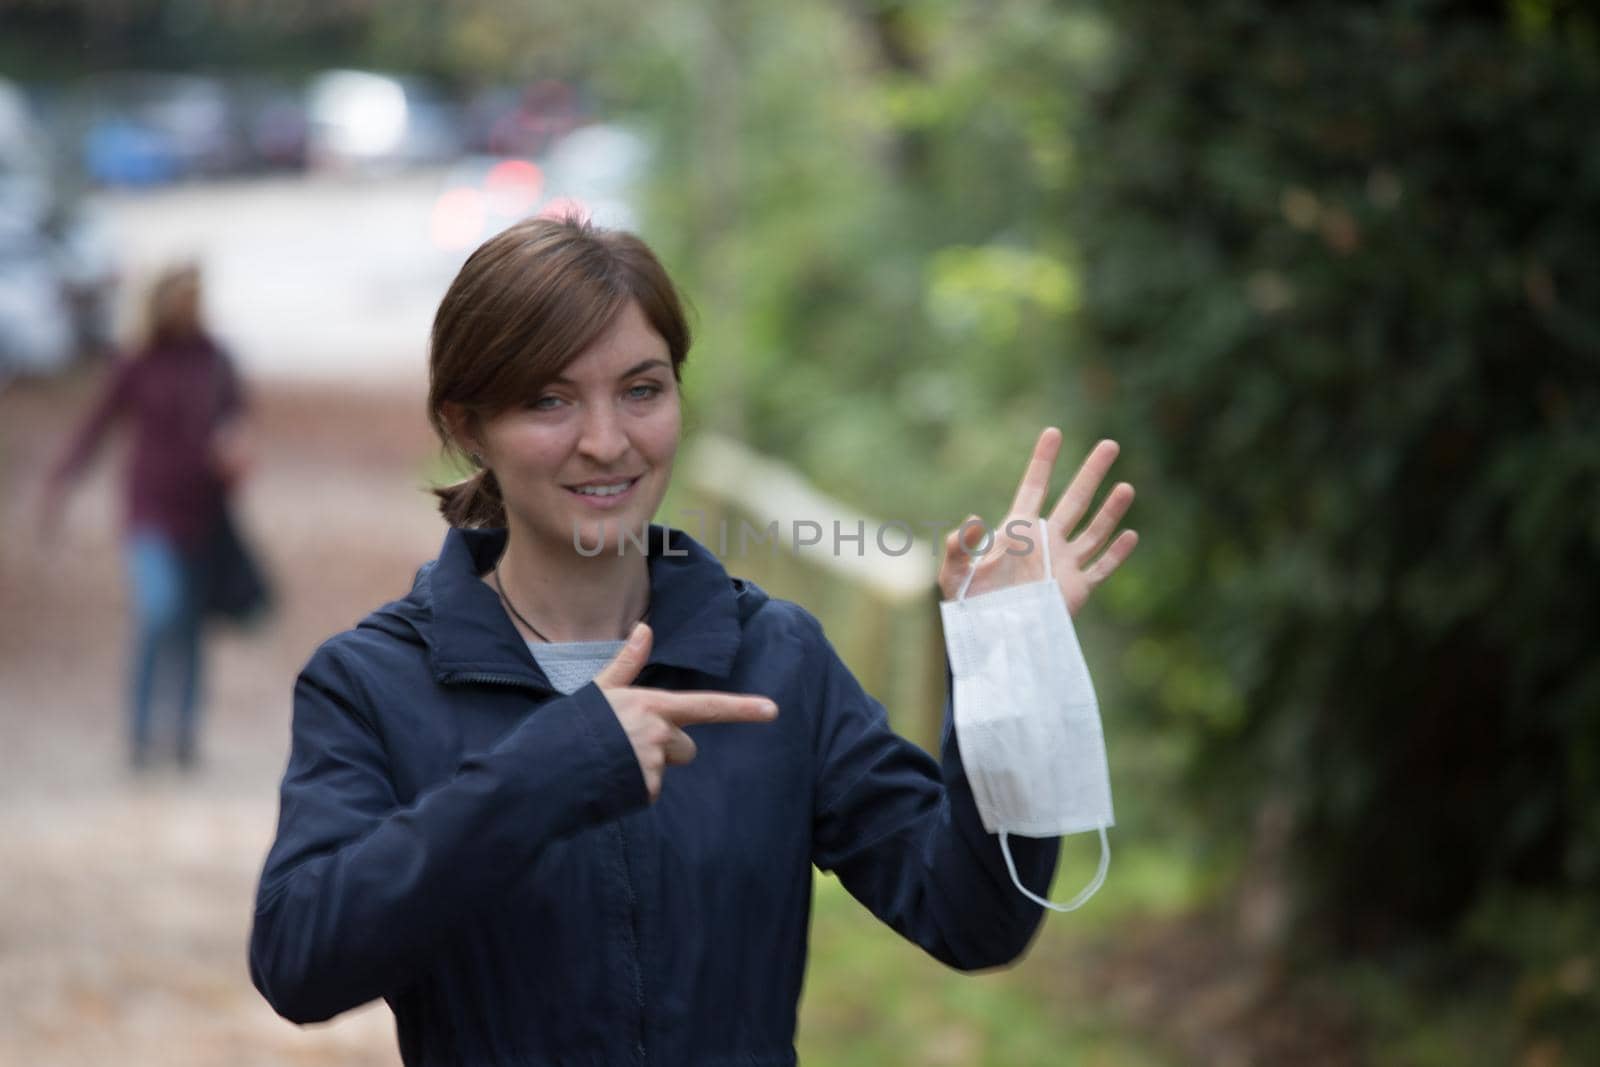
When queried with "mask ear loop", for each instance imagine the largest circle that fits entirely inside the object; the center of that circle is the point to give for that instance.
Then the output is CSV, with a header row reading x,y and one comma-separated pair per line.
x,y
1083,896
961,594
972,568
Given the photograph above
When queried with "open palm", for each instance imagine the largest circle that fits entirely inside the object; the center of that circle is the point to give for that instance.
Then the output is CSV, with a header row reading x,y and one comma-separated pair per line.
x,y
1077,563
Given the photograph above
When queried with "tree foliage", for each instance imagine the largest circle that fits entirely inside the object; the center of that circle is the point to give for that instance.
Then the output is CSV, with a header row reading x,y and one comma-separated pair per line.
x,y
1340,264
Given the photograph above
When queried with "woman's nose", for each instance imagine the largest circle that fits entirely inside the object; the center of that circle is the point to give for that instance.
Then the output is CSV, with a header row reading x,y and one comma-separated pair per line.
x,y
603,439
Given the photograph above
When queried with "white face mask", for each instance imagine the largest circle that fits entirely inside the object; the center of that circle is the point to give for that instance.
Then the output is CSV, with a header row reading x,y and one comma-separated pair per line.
x,y
1027,719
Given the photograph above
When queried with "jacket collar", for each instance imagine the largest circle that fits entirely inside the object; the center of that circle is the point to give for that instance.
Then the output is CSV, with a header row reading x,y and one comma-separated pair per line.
x,y
694,610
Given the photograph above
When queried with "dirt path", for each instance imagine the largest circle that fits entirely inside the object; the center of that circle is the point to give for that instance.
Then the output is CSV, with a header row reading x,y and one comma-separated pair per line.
x,y
125,901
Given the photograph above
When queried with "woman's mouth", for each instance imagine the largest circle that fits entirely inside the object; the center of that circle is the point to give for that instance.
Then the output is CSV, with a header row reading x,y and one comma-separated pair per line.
x,y
604,495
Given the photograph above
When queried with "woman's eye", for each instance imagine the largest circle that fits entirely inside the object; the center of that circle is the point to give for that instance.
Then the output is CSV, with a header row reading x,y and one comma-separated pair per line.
x,y
644,391
545,403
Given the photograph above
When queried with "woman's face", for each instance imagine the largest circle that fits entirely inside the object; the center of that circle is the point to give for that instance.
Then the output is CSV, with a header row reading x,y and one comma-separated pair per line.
x,y
589,456
180,306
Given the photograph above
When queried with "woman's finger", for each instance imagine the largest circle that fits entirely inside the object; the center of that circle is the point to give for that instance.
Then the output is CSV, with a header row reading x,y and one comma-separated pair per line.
x,y
1074,502
680,748
1114,557
961,548
1104,524
694,707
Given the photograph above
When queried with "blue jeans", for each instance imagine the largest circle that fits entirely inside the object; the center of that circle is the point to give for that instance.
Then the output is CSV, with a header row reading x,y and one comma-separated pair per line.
x,y
166,639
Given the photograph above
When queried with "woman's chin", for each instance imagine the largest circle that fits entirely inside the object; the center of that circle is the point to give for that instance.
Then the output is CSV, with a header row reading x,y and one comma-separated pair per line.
x,y
610,535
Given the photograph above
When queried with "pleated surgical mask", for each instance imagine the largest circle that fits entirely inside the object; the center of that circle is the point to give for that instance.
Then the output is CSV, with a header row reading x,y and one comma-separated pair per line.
x,y
1027,719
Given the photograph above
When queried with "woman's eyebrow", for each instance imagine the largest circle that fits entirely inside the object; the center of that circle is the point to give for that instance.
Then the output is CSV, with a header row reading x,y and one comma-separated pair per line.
x,y
637,368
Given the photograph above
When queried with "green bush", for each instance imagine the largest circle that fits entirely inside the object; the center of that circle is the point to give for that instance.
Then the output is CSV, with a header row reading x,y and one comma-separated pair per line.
x,y
1340,281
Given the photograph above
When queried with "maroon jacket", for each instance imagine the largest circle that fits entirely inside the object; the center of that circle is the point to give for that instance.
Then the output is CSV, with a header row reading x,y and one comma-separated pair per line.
x,y
175,394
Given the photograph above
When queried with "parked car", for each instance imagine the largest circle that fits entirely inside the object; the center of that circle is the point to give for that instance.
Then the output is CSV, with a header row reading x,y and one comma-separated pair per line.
x,y
594,172
272,123
57,272
36,324
600,168
521,121
141,128
361,121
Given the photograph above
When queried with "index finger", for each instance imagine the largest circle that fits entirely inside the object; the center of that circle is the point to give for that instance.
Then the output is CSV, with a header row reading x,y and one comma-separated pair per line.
x,y
1029,500
702,706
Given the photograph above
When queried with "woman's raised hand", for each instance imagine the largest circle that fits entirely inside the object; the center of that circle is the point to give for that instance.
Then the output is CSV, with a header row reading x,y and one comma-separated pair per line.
x,y
654,718
1078,563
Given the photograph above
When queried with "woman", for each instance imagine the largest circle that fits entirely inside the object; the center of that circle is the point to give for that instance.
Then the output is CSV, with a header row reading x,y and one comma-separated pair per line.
x,y
180,394
477,822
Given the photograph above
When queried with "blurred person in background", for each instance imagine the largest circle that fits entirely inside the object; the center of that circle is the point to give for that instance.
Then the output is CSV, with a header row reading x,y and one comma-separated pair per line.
x,y
476,821
180,396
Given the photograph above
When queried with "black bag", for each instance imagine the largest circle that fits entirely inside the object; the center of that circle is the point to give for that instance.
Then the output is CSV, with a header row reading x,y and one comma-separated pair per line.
x,y
236,590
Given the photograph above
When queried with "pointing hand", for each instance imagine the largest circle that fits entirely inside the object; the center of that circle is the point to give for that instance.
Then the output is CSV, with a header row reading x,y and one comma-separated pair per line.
x,y
654,719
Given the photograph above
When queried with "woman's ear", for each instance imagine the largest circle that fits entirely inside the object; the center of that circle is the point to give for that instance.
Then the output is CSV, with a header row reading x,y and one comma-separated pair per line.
x,y
463,426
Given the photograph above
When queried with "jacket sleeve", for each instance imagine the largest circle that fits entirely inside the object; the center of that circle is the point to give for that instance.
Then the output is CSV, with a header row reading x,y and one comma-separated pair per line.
x,y
90,433
904,835
359,891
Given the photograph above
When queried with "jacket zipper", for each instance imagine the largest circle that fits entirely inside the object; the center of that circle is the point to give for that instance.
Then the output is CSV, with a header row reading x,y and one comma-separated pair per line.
x,y
492,679
631,930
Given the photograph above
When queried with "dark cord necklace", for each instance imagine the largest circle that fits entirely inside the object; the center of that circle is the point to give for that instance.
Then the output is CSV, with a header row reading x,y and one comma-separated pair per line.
x,y
506,600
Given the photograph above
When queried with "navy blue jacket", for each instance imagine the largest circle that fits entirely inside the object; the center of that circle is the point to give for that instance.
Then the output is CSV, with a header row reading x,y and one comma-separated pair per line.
x,y
479,850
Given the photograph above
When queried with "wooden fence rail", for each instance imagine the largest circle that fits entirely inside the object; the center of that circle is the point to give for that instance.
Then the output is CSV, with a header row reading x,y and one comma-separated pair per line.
x,y
875,593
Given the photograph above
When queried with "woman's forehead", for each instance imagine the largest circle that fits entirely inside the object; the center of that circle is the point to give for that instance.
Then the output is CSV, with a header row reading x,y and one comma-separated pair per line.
x,y
630,345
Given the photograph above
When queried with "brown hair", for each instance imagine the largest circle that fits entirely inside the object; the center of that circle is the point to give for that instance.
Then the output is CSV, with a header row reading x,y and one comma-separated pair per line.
x,y
522,307
165,320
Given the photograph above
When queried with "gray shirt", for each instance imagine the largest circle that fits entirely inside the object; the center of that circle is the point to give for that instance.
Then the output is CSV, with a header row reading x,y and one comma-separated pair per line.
x,y
570,665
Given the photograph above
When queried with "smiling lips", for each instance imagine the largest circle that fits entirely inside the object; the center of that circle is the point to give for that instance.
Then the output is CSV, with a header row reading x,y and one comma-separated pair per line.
x,y
604,494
